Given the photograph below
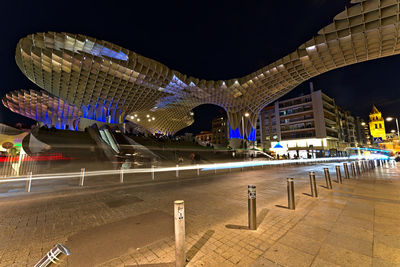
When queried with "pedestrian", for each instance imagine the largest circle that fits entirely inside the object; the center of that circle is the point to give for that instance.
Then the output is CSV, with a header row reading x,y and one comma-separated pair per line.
x,y
180,160
191,157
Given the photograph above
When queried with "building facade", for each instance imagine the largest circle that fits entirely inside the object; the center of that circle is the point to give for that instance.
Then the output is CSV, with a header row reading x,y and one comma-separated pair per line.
x,y
377,125
204,137
362,133
219,131
307,126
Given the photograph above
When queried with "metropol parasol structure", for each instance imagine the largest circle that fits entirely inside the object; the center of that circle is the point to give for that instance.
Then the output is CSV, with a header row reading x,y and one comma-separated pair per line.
x,y
83,77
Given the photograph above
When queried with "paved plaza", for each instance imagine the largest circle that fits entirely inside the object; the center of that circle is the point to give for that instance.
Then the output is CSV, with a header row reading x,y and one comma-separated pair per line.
x,y
131,224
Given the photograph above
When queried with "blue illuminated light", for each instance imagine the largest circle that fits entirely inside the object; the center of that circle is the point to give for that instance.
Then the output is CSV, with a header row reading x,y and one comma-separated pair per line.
x,y
234,133
278,146
252,135
175,89
99,50
101,113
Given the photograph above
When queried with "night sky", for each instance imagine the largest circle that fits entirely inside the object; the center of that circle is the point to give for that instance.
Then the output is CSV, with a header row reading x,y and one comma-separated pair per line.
x,y
213,40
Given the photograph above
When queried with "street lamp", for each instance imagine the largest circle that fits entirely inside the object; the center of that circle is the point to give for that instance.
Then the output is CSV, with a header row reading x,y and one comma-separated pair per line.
x,y
397,124
246,115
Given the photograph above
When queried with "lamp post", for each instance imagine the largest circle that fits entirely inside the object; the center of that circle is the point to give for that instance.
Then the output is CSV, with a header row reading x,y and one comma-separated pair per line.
x,y
397,125
246,115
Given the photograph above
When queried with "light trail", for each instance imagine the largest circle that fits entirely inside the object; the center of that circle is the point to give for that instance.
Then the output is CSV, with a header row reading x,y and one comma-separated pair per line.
x,y
201,167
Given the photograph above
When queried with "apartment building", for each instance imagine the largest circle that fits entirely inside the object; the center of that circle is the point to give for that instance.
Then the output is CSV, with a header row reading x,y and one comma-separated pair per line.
x,y
362,133
311,125
219,131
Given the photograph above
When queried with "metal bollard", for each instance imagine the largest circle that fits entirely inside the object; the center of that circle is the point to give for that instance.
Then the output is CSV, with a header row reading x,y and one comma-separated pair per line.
x,y
328,178
251,207
82,177
198,170
353,169
358,167
28,183
177,171
179,224
346,171
313,185
338,175
121,176
387,163
152,172
290,191
54,257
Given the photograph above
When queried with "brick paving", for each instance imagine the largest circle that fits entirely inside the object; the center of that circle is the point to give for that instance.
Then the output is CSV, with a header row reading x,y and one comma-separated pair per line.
x,y
355,224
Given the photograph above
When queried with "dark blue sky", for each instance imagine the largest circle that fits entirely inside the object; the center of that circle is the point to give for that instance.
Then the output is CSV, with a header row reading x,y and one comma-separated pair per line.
x,y
206,39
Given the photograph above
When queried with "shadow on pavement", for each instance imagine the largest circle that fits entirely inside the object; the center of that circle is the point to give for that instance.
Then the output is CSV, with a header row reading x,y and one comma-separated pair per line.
x,y
167,264
280,206
237,227
199,244
261,216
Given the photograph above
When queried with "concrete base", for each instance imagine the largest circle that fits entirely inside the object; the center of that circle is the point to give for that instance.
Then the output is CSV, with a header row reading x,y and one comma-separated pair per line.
x,y
235,143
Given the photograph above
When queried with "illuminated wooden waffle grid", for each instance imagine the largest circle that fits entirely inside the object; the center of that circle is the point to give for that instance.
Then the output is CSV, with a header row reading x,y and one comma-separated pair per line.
x,y
111,83
41,106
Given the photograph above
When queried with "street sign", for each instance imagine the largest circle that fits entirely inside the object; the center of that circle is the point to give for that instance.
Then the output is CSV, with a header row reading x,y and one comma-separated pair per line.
x,y
378,140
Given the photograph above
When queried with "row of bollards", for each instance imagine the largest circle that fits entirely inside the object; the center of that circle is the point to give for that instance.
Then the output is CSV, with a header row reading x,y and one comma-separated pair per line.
x,y
58,253
179,216
356,169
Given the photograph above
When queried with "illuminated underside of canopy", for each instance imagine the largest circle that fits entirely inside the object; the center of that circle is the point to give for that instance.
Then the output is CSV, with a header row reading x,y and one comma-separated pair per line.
x,y
40,106
110,83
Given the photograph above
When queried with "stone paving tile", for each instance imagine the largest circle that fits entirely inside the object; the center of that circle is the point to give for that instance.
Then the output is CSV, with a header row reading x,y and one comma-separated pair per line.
x,y
263,262
288,256
356,245
343,257
353,232
301,243
387,253
311,231
387,239
377,262
318,262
